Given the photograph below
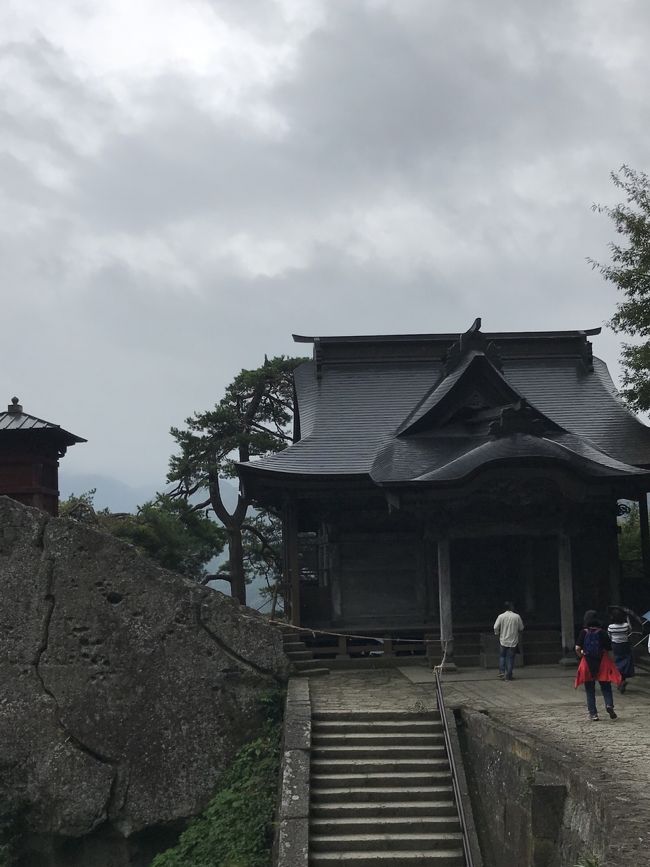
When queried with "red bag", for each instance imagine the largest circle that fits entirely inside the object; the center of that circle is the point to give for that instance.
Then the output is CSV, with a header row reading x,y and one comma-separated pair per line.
x,y
607,671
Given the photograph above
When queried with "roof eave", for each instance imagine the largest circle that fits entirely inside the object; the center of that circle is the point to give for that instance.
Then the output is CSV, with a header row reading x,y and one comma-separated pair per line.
x,y
405,338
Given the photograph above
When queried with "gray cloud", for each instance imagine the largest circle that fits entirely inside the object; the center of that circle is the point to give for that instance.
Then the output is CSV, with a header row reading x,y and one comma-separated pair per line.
x,y
407,167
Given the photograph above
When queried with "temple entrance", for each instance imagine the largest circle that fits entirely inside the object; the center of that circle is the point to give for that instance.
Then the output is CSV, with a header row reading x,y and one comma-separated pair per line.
x,y
487,571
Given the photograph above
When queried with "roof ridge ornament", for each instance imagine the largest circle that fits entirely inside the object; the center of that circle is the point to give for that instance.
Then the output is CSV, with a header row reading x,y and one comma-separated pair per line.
x,y
519,418
472,340
14,407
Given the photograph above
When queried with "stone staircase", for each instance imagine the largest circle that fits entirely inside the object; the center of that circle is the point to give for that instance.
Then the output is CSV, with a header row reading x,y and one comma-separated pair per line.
x,y
381,791
542,647
300,656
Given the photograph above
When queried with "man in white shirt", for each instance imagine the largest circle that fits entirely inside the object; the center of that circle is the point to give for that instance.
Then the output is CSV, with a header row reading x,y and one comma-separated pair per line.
x,y
508,628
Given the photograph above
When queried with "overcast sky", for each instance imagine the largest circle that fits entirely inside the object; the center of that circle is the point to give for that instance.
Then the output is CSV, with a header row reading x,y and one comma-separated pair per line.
x,y
184,183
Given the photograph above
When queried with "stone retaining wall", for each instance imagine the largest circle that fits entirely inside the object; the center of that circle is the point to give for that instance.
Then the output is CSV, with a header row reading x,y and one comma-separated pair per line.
x,y
532,807
292,837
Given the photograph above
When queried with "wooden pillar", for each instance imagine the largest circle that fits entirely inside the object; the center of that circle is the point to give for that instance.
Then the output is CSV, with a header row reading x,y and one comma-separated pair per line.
x,y
614,561
528,569
336,604
291,561
565,573
444,600
645,535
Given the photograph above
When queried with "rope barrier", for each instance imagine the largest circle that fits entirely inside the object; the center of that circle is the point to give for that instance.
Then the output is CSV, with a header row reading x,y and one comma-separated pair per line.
x,y
314,632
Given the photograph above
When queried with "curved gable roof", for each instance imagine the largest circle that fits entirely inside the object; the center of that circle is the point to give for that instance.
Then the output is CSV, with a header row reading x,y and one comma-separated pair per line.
x,y
352,408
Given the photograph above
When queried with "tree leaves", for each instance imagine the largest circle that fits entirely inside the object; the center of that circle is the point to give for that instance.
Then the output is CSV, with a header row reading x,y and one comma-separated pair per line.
x,y
252,420
629,270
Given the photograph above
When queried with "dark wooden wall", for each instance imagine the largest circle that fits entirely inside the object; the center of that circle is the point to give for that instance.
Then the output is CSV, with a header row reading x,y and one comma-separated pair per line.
x,y
31,477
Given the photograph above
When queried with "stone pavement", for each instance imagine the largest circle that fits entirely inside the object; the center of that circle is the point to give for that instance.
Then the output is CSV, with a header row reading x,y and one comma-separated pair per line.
x,y
534,688
540,702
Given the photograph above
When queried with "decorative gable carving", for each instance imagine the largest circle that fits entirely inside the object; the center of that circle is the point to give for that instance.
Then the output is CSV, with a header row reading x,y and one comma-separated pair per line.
x,y
475,386
521,418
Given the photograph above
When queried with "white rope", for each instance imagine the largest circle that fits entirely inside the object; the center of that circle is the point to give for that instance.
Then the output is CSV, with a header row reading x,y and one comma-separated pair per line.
x,y
314,632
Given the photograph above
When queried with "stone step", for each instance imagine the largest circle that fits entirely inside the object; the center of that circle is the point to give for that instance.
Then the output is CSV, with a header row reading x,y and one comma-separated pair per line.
x,y
302,664
312,672
377,765
395,779
382,794
384,809
377,738
293,645
374,715
549,657
299,655
425,857
467,660
424,753
389,841
405,824
390,725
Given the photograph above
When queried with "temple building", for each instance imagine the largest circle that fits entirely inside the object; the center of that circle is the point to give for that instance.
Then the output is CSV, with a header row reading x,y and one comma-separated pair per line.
x,y
30,449
434,476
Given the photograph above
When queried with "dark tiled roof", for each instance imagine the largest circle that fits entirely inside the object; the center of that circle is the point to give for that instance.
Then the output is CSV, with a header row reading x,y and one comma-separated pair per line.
x,y
438,459
351,412
15,420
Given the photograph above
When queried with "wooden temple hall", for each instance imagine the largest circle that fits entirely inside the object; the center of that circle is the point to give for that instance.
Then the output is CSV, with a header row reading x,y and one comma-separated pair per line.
x,y
433,476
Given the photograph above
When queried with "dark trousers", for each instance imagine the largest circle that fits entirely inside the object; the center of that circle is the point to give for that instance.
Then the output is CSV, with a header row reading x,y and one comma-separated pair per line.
x,y
507,661
605,688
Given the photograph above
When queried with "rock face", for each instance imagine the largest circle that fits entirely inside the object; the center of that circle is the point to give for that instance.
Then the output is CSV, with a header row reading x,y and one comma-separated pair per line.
x,y
124,690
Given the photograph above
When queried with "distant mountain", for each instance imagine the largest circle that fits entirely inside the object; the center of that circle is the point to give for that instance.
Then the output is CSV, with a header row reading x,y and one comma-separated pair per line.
x,y
118,496
111,493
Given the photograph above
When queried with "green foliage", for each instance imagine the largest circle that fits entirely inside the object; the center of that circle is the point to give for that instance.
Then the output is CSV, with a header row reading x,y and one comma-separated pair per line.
x,y
251,420
236,828
629,270
169,531
589,861
629,539
262,537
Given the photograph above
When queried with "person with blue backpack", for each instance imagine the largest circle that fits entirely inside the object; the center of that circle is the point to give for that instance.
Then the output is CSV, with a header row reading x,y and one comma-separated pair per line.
x,y
594,646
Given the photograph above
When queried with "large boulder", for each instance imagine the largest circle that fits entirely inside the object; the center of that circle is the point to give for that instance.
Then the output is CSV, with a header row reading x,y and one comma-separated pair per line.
x,y
124,689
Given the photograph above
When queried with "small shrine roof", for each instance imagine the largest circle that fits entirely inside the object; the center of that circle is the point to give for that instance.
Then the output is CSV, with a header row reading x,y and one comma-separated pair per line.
x,y
16,420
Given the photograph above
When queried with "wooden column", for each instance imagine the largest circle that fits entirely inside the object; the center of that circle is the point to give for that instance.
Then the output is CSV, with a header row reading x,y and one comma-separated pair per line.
x,y
565,573
444,601
528,570
291,561
614,561
645,535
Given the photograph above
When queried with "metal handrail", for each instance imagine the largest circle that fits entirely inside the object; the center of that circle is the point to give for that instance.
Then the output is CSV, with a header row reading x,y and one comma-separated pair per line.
x,y
467,849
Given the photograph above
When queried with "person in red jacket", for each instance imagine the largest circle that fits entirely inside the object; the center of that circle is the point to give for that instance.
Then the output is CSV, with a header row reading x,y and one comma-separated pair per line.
x,y
593,646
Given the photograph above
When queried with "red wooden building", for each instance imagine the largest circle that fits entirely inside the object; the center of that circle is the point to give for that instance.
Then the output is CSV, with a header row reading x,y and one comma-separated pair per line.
x,y
30,449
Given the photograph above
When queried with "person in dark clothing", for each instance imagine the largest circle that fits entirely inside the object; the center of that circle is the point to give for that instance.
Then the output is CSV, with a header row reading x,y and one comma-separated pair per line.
x,y
619,631
593,646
